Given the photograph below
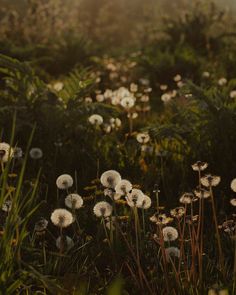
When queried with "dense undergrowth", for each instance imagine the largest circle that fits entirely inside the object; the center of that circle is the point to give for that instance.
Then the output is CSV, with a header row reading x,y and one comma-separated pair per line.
x,y
166,226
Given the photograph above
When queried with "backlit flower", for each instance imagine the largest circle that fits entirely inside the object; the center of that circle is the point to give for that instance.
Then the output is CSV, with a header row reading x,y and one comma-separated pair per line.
x,y
110,178
6,152
169,233
123,187
171,253
64,181
233,202
147,202
210,180
74,201
177,212
102,209
143,138
233,185
187,198
127,103
135,198
96,119
199,166
202,193
61,218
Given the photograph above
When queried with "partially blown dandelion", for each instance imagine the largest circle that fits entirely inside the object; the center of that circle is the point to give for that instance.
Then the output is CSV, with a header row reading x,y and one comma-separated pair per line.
x,y
61,218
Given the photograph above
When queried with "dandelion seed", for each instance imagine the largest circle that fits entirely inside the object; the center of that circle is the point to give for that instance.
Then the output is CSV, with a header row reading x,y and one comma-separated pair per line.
x,y
36,153
172,252
143,138
65,243
199,166
64,181
102,209
61,218
110,178
233,185
177,212
123,187
146,204
210,180
74,201
169,233
6,152
135,198
95,119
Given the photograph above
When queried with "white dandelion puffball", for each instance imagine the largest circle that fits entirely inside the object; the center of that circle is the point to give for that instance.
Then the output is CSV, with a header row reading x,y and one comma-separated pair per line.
x,y
41,225
232,94
233,185
205,74
199,166
210,180
36,153
123,187
163,87
17,153
222,81
58,86
172,252
65,243
95,119
102,209
74,201
147,202
233,202
169,233
135,198
6,152
100,97
166,97
64,181
110,178
143,138
177,78
111,194
88,99
127,102
61,217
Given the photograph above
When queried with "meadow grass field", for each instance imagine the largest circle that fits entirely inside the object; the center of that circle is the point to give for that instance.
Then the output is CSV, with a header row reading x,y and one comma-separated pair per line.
x,y
117,147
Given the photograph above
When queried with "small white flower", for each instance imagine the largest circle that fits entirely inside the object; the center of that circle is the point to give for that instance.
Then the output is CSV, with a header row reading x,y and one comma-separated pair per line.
x,y
6,152
172,252
233,202
205,74
133,87
64,181
166,97
199,166
95,119
233,185
147,202
6,206
210,180
102,209
127,102
202,193
88,100
58,86
36,153
123,187
186,198
169,233
65,243
61,218
163,87
132,115
100,97
74,201
177,78
143,138
135,198
144,98
110,178
222,81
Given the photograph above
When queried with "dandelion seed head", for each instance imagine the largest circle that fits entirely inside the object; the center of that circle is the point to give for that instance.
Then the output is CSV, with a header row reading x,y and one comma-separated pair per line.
x,y
65,243
102,209
177,78
177,212
233,185
232,94
6,152
143,138
187,198
166,97
74,201
202,193
36,153
147,202
172,252
199,166
222,81
123,187
135,198
17,153
233,202
95,119
110,178
169,233
210,180
127,102
64,181
61,217
7,205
